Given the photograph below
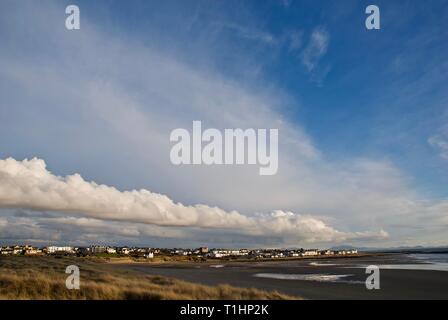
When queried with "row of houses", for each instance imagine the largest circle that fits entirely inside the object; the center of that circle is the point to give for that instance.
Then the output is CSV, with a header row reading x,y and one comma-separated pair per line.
x,y
19,250
95,250
150,252
259,253
277,253
221,253
98,249
91,250
185,252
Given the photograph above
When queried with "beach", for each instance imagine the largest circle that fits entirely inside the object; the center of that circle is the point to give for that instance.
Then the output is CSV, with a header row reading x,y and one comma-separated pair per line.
x,y
402,276
45,278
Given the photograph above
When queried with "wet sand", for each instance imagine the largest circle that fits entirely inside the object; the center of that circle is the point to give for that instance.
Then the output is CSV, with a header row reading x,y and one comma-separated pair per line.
x,y
342,278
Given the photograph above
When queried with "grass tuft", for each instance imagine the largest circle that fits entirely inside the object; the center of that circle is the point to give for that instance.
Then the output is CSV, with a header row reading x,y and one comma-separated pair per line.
x,y
44,277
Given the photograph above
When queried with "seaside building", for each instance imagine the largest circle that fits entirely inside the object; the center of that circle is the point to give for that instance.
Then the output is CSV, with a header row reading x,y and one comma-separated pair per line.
x,y
56,249
124,250
310,252
111,250
31,251
98,249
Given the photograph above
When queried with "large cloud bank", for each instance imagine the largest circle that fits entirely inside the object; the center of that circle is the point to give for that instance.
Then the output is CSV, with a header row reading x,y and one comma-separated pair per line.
x,y
28,184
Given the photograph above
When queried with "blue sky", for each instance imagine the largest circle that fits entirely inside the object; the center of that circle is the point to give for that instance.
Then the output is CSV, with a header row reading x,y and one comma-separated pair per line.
x,y
352,103
363,113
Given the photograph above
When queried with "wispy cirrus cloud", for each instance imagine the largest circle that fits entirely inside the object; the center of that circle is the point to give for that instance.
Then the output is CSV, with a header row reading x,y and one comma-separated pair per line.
x,y
316,48
250,33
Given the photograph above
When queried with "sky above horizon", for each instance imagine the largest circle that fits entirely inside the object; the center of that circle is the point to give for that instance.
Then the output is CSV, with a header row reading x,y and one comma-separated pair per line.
x,y
362,118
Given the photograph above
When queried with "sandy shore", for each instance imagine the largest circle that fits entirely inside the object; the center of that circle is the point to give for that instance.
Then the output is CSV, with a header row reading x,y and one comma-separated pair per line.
x,y
342,278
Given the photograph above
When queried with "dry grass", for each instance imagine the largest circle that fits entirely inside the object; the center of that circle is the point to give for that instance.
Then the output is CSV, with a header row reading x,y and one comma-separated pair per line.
x,y
44,278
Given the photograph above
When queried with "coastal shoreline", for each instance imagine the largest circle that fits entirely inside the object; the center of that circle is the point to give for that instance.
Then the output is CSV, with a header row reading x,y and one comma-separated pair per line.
x,y
312,278
164,260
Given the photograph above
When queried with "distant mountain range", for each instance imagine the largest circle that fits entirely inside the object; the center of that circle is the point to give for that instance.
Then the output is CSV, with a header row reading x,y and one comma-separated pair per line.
x,y
411,249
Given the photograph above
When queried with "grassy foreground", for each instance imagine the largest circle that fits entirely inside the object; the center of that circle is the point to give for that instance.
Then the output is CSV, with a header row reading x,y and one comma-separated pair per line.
x,y
43,277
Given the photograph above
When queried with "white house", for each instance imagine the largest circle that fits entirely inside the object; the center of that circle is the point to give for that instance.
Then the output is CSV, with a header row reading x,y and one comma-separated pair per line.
x,y
311,252
32,251
55,249
111,250
125,250
149,255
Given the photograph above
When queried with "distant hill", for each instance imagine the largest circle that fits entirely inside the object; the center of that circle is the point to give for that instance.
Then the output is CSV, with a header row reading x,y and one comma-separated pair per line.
x,y
344,247
410,249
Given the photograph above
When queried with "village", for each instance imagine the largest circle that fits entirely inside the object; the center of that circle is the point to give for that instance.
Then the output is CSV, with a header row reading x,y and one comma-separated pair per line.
x,y
149,253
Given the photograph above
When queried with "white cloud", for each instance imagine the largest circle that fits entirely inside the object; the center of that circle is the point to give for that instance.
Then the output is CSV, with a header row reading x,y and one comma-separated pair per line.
x,y
28,184
316,48
251,33
25,229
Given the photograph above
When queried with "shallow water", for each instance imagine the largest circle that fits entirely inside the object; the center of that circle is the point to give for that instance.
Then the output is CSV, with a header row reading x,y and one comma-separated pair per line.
x,y
433,262
402,276
308,277
323,264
